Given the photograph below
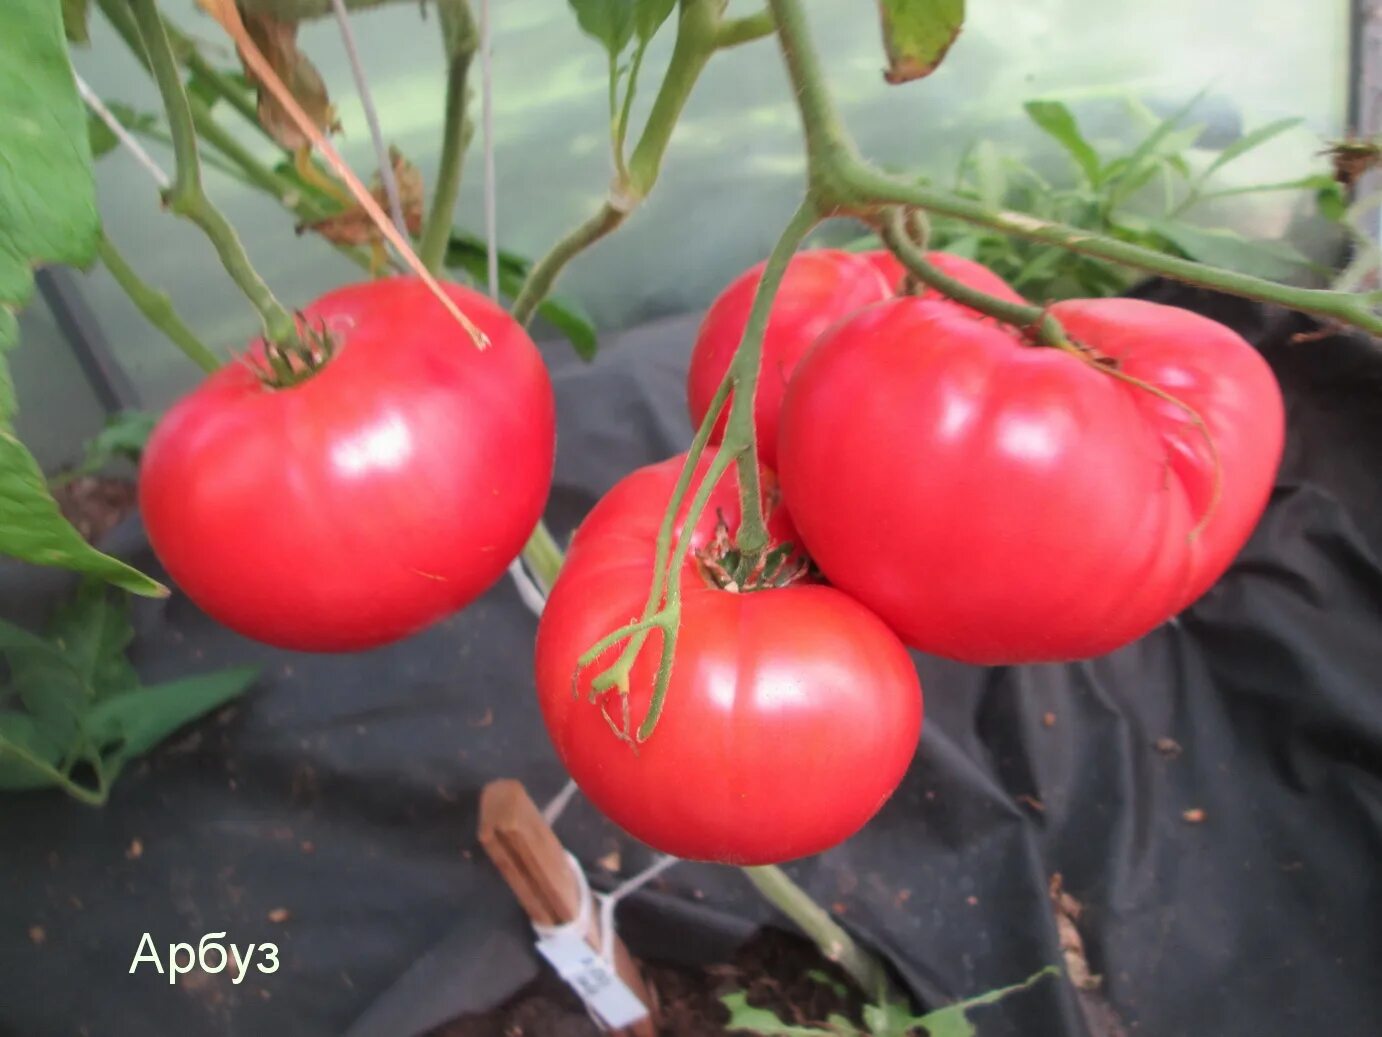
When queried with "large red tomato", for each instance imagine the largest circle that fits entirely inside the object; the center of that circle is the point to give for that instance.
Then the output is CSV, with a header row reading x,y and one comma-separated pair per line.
x,y
997,502
818,288
792,712
975,275
382,493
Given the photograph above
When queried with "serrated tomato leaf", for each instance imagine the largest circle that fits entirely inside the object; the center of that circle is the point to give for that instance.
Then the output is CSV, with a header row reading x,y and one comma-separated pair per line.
x,y
133,722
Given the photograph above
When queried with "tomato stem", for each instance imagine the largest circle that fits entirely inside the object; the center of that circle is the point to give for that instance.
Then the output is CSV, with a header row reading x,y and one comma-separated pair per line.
x,y
843,183
462,39
701,31
1041,325
186,197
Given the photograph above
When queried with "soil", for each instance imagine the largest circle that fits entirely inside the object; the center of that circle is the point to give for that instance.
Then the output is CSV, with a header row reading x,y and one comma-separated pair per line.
x,y
776,970
95,504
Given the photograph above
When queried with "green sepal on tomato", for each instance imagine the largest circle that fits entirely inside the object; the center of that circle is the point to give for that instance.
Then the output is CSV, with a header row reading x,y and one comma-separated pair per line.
x,y
792,712
998,502
372,497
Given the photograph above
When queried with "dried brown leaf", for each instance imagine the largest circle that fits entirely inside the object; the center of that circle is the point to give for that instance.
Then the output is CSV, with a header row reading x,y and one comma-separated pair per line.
x,y
277,41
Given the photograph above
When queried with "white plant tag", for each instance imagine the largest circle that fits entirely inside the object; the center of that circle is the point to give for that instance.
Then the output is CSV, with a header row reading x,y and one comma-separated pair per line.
x,y
593,978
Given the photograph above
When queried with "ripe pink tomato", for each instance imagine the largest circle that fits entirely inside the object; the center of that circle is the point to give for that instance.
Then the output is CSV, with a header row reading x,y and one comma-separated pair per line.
x,y
380,494
792,712
997,502
820,287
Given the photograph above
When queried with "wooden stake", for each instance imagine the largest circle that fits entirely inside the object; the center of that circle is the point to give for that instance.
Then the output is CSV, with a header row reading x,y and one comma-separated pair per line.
x,y
533,862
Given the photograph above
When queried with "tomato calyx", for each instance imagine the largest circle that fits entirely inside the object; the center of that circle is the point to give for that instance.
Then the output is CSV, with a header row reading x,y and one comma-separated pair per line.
x,y
723,566
284,365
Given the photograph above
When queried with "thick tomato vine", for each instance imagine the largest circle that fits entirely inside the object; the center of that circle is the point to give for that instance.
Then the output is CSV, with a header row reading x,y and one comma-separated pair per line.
x,y
379,494
997,502
792,712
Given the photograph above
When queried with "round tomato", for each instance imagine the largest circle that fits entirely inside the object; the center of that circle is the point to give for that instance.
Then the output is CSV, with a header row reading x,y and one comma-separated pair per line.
x,y
381,493
791,715
997,502
818,288
975,275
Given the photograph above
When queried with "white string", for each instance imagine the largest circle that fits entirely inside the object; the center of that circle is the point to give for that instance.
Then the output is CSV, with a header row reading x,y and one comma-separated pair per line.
x,y
609,901
122,135
553,810
381,151
487,128
527,587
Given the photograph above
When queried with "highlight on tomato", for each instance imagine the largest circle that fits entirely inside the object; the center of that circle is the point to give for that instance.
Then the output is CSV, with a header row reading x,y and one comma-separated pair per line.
x,y
999,502
792,712
356,496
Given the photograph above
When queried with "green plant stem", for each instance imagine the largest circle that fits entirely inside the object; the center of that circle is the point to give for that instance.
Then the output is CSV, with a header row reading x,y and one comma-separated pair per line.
x,y
544,556
827,934
893,230
845,184
458,28
621,126
741,433
156,307
698,37
545,271
734,31
186,197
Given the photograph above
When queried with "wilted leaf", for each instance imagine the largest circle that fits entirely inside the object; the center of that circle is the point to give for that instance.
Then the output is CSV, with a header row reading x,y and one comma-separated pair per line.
x,y
917,34
277,41
353,226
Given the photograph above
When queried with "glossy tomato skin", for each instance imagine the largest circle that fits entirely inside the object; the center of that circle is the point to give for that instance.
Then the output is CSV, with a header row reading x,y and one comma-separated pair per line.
x,y
996,502
383,493
791,716
819,287
976,275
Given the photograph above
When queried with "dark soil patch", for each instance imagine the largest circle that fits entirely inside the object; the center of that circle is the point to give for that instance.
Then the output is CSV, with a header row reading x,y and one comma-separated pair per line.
x,y
95,504
778,972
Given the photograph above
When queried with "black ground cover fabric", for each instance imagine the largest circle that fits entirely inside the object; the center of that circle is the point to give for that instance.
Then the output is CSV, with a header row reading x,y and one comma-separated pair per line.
x,y
333,810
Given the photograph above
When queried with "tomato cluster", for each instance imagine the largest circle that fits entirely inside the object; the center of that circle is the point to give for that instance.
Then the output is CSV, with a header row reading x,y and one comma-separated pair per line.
x,y
946,483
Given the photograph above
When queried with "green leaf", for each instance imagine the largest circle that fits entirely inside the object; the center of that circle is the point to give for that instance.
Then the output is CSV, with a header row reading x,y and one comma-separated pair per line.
x,y
952,1021
825,980
744,1017
1332,201
1248,141
609,21
1059,123
74,21
569,317
1273,260
122,439
92,630
917,34
648,16
1158,141
133,722
33,529
47,197
103,139
29,755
